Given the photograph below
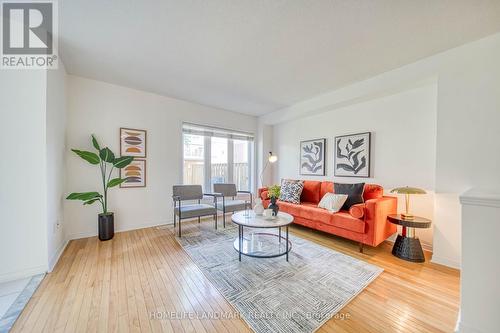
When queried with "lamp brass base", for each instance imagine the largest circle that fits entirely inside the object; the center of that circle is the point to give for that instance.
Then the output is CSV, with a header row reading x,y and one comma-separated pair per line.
x,y
407,216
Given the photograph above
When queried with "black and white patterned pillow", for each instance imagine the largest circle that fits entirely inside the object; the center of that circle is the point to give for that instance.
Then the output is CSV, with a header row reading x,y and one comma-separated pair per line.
x,y
291,190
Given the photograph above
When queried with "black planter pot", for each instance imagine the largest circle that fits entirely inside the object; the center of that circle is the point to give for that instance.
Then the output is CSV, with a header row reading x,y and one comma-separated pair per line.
x,y
106,226
274,206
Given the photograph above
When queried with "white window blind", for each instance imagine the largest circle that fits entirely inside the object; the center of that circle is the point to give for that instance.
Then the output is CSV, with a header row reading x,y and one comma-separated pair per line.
x,y
208,131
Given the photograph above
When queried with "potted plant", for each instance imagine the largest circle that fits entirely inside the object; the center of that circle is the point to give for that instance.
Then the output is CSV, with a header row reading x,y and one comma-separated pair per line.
x,y
273,194
107,163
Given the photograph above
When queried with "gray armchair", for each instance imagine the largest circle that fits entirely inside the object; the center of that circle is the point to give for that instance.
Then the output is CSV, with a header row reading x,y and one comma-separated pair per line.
x,y
228,204
191,192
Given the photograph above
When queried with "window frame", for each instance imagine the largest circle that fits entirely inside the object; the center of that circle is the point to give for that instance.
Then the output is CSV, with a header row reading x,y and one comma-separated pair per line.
x,y
207,158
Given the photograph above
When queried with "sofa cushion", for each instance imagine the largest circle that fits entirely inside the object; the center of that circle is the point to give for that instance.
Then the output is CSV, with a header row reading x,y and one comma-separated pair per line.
x,y
289,208
344,220
291,190
326,187
373,191
311,191
310,211
354,192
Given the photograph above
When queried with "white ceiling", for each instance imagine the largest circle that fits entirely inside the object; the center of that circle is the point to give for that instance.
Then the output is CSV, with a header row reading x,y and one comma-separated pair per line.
x,y
256,56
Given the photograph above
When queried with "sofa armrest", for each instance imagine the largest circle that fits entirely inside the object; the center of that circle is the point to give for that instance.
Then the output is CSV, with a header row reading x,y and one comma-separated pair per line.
x,y
262,190
378,228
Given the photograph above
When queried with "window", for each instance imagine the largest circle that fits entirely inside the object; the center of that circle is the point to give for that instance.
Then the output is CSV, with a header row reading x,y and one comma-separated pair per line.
x,y
194,161
241,165
219,163
214,155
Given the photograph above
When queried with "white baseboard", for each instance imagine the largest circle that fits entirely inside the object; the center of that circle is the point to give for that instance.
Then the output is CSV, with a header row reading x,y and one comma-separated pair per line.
x,y
436,259
446,262
79,235
11,276
55,258
35,270
86,234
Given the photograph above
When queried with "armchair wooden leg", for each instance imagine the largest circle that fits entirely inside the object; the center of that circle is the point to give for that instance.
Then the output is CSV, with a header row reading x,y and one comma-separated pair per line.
x,y
216,220
360,247
224,218
199,219
179,227
174,219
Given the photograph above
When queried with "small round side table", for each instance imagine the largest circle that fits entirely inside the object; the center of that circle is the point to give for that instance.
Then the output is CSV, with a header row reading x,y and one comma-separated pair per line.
x,y
407,245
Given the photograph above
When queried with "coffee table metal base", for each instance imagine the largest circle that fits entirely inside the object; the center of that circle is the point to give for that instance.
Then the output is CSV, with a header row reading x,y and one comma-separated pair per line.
x,y
262,244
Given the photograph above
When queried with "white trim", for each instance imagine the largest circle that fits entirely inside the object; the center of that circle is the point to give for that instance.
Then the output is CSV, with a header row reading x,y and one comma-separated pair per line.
x,y
230,161
446,262
213,131
86,234
11,276
55,258
251,186
478,197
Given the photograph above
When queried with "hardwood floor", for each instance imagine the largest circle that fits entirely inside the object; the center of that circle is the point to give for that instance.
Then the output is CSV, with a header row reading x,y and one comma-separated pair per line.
x,y
133,281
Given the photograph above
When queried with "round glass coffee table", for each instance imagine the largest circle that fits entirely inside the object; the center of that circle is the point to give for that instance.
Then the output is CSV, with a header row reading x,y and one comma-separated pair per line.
x,y
261,244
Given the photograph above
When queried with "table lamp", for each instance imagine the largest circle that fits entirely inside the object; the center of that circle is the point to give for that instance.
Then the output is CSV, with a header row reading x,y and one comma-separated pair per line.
x,y
407,191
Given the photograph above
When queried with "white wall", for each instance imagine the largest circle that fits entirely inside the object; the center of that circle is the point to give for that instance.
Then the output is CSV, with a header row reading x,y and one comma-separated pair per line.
x,y
101,108
403,146
23,210
468,114
56,110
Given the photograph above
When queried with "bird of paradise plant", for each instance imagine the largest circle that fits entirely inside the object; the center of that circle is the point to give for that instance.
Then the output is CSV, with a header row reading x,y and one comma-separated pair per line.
x,y
107,162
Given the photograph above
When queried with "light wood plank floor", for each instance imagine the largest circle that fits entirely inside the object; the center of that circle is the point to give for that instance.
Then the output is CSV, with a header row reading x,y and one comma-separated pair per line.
x,y
114,286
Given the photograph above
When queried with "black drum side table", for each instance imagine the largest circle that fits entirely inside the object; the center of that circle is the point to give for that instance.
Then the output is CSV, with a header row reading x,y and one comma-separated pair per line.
x,y
407,245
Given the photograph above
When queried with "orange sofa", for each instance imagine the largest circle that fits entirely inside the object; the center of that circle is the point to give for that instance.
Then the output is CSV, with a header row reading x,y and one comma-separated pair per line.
x,y
365,223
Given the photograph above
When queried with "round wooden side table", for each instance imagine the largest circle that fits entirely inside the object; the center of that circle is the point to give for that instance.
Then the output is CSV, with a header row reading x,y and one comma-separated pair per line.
x,y
407,245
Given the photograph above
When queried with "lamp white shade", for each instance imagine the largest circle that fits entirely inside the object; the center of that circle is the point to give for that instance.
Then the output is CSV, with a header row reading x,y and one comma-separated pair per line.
x,y
273,158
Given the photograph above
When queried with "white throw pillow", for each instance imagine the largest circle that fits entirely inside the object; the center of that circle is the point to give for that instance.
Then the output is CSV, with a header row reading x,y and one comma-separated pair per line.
x,y
332,202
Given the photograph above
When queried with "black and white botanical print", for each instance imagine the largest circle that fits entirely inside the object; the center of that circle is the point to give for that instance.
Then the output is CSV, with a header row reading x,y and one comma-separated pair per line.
x,y
352,155
312,157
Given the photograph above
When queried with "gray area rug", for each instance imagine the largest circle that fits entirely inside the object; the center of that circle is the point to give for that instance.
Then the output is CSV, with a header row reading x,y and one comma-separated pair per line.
x,y
10,317
273,295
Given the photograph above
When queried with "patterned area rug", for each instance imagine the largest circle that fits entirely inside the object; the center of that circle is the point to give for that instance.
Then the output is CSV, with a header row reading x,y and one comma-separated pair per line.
x,y
273,295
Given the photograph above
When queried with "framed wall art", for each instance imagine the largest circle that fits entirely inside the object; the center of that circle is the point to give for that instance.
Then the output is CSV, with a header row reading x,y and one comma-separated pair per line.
x,y
352,155
312,157
134,173
133,142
